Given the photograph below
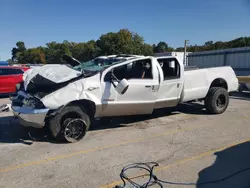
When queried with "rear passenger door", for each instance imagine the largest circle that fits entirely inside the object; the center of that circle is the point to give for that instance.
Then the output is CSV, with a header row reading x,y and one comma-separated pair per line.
x,y
171,82
9,77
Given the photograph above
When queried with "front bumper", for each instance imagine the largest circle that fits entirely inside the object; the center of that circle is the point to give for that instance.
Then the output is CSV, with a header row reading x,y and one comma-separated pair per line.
x,y
28,116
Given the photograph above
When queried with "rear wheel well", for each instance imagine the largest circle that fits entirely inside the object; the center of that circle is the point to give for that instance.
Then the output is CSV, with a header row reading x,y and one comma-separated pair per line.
x,y
219,82
87,106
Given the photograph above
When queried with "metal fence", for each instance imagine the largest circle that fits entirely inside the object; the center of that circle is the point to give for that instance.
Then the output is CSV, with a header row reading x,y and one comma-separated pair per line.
x,y
237,58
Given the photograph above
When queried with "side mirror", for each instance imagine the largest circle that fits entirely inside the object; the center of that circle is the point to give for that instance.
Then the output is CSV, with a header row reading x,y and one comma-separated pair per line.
x,y
122,86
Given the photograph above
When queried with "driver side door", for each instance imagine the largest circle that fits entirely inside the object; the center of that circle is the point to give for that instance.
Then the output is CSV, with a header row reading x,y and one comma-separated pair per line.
x,y
141,94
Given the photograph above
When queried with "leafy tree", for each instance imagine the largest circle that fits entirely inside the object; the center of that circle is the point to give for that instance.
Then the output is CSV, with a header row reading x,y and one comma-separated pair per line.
x,y
116,43
121,42
107,43
194,48
138,45
154,47
78,51
16,51
91,51
56,50
85,51
162,47
35,56
219,45
32,56
179,49
209,43
10,62
147,50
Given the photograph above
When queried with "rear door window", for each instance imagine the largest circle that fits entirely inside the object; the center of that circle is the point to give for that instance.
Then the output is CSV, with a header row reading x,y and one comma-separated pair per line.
x,y
170,68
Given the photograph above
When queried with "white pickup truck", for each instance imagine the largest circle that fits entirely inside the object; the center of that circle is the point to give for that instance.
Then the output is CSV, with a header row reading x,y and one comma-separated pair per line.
x,y
66,100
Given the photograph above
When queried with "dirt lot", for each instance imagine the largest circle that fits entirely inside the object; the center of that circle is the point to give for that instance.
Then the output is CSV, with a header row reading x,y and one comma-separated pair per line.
x,y
189,145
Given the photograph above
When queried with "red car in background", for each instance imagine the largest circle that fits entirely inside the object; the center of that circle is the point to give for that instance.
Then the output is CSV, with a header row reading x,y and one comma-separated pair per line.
x,y
9,77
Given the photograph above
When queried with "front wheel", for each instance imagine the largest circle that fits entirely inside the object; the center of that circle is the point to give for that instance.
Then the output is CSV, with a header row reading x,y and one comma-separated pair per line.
x,y
70,125
217,100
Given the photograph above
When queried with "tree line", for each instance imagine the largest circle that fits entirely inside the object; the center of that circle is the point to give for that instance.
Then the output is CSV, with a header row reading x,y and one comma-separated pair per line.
x,y
121,42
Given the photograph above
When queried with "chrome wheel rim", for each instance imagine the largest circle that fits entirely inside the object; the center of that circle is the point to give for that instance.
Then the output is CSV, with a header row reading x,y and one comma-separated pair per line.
x,y
74,129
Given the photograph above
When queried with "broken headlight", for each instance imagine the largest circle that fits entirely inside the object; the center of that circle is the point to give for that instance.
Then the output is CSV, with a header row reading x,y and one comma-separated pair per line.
x,y
33,103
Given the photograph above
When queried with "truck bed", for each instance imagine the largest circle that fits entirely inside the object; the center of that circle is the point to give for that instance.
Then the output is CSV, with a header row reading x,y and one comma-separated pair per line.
x,y
188,68
197,81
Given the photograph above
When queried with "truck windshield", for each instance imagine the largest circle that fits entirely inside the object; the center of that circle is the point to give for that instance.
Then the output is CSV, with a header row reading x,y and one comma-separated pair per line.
x,y
97,64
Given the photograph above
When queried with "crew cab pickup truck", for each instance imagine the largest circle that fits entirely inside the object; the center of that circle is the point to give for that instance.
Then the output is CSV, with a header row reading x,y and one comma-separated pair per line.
x,y
66,100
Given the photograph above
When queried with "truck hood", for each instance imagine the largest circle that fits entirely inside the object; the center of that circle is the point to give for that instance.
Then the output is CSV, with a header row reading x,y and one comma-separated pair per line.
x,y
40,81
49,75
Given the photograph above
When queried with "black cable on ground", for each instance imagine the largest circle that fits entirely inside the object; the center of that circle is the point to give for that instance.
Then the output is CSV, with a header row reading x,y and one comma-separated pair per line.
x,y
153,180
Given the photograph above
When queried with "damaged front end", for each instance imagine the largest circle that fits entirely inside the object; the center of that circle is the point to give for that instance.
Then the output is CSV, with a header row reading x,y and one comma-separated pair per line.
x,y
49,78
48,88
27,104
29,110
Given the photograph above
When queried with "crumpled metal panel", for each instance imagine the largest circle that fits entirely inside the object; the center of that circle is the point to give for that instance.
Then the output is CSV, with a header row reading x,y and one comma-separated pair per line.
x,y
85,88
54,73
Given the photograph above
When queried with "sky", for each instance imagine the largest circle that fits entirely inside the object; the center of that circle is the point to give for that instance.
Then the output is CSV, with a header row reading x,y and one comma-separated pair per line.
x,y
37,22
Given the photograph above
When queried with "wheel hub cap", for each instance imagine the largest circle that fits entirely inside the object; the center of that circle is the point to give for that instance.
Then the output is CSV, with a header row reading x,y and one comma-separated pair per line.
x,y
74,129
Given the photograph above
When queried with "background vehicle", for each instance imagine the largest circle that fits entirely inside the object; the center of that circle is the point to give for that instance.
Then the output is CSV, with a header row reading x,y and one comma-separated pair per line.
x,y
244,83
9,77
67,100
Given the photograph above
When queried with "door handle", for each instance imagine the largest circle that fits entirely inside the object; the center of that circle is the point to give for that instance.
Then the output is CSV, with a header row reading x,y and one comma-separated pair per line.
x,y
148,86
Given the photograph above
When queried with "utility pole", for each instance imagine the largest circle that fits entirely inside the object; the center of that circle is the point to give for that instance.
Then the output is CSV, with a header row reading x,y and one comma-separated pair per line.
x,y
185,51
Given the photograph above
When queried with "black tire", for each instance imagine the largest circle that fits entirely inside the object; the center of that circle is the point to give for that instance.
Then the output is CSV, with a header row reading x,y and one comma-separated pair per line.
x,y
217,100
73,116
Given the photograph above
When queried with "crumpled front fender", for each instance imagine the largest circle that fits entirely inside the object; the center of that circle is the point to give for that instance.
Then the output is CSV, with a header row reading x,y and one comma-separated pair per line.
x,y
81,89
